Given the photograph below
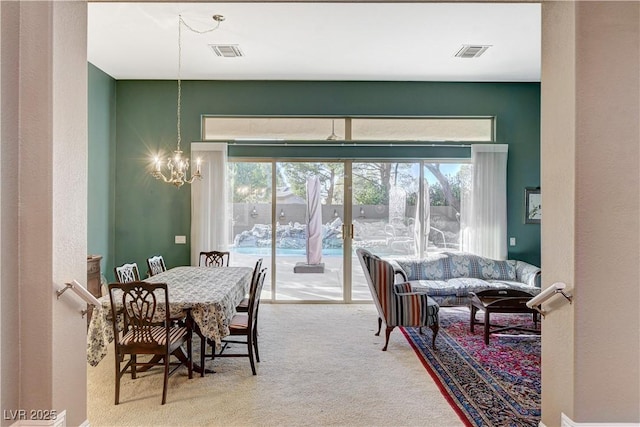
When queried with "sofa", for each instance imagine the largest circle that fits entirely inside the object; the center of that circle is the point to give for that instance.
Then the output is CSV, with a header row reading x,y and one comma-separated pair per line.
x,y
448,277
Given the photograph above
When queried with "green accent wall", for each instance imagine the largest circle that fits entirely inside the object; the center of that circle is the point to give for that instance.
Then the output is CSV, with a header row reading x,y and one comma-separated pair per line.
x,y
101,158
148,213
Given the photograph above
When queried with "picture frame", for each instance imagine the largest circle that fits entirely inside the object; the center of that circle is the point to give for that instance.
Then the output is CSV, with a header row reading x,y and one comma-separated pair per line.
x,y
533,205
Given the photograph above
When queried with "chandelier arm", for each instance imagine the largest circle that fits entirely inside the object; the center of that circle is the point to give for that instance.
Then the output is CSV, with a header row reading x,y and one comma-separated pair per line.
x,y
160,175
193,178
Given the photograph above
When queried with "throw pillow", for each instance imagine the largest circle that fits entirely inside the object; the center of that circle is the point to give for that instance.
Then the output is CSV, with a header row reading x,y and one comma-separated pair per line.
x,y
497,270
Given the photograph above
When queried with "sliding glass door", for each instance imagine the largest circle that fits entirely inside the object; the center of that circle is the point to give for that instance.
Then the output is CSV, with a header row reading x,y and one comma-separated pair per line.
x,y
385,216
308,239
308,228
251,190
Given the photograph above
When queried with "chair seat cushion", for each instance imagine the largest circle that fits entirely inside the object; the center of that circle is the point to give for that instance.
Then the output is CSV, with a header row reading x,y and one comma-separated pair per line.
x,y
461,286
431,287
243,306
158,334
239,323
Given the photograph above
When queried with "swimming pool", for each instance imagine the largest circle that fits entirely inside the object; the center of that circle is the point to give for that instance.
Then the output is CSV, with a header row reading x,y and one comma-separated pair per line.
x,y
252,250
332,252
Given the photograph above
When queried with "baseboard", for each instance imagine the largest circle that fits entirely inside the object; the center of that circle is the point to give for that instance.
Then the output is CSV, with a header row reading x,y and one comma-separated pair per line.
x,y
23,420
568,422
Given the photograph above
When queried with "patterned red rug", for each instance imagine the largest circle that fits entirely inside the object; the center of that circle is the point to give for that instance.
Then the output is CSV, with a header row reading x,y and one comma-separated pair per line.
x,y
487,385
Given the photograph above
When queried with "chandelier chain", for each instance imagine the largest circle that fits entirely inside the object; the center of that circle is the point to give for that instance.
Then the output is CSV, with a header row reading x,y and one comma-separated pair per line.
x,y
218,20
177,166
182,22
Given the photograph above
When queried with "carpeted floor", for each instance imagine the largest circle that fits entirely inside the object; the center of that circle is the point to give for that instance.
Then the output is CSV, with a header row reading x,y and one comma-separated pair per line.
x,y
490,385
320,365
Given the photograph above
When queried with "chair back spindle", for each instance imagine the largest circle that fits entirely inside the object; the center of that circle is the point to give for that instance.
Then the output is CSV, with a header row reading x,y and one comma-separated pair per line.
x,y
214,259
156,265
243,306
127,273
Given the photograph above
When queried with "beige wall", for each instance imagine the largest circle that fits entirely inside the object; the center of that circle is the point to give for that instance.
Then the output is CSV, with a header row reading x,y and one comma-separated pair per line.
x,y
9,336
558,165
44,208
69,205
607,173
590,151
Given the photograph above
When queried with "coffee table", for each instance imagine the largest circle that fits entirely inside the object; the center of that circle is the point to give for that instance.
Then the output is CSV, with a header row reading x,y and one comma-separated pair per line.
x,y
500,301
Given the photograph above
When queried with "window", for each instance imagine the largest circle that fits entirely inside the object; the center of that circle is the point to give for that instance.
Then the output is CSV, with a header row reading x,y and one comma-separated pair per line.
x,y
477,129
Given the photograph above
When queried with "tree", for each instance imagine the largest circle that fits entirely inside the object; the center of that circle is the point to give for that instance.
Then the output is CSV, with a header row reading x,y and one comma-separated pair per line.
x,y
445,181
295,175
251,182
372,181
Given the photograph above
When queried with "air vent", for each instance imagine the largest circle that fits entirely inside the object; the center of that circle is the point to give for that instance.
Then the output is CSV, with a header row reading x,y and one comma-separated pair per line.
x,y
227,50
472,50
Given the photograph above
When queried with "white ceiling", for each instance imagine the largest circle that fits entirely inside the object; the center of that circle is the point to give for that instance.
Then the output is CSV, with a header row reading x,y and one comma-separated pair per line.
x,y
318,41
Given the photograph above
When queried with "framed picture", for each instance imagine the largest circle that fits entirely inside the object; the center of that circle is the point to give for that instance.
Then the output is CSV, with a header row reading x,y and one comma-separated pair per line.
x,y
532,205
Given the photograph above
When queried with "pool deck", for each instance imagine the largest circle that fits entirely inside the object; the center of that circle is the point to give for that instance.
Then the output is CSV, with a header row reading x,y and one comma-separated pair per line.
x,y
307,287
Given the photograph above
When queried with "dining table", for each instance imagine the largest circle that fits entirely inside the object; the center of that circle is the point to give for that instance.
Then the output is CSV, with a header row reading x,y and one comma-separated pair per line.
x,y
208,295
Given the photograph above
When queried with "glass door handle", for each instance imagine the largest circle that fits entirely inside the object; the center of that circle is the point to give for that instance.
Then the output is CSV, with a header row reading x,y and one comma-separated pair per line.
x,y
342,230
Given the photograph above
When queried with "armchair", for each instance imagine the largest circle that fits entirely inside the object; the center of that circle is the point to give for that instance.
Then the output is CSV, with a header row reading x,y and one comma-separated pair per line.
x,y
397,305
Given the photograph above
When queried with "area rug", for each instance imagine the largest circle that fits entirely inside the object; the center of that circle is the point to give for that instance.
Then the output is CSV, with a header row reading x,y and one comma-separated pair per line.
x,y
487,385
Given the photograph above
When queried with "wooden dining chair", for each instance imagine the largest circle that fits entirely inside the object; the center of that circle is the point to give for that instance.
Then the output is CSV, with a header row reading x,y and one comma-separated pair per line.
x,y
127,273
135,309
156,265
245,325
214,259
243,306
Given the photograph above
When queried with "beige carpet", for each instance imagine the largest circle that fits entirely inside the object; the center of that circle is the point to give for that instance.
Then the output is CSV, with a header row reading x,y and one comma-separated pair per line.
x,y
320,365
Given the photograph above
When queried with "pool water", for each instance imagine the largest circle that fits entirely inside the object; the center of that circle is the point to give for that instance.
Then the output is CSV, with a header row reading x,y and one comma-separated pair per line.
x,y
283,251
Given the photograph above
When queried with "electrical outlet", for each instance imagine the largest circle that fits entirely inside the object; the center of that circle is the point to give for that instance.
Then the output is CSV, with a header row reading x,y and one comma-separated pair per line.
x,y
181,240
512,241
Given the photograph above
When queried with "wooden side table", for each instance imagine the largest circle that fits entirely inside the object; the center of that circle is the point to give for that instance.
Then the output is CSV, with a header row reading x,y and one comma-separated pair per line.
x,y
500,301
94,284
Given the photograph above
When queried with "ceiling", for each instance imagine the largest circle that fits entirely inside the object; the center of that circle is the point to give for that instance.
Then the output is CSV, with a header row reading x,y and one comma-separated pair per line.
x,y
317,41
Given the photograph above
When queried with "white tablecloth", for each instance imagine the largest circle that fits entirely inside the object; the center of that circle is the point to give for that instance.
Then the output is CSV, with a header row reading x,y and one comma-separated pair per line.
x,y
211,294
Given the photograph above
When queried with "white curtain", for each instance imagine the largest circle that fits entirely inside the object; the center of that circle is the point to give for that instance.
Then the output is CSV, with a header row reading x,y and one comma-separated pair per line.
x,y
484,204
210,219
423,216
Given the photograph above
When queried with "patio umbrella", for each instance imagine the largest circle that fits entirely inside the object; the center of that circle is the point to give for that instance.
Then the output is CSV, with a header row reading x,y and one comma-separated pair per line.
x,y
423,215
314,222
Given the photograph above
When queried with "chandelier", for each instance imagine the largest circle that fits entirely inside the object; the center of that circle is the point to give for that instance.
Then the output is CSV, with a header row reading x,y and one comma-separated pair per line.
x,y
177,166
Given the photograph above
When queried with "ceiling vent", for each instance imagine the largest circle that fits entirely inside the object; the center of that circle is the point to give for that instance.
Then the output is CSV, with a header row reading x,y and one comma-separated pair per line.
x,y
227,50
472,50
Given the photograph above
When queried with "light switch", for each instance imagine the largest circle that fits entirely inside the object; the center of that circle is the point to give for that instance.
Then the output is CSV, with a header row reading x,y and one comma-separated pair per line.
x,y
181,240
512,241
